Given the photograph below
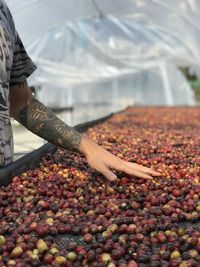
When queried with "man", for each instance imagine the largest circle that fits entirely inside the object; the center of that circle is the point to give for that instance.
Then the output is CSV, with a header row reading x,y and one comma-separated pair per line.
x,y
16,100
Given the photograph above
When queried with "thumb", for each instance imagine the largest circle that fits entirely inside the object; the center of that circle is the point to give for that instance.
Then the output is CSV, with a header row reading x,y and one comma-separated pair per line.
x,y
108,174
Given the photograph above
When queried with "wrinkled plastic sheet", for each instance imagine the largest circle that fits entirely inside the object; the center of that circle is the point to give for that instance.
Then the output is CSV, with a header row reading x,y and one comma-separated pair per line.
x,y
95,44
161,85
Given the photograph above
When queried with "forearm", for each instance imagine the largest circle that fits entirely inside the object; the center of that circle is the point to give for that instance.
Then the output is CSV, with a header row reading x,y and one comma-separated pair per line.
x,y
44,123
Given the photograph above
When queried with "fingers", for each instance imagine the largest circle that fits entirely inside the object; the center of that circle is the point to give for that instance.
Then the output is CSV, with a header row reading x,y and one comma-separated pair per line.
x,y
137,173
119,164
112,162
108,174
143,169
111,176
134,169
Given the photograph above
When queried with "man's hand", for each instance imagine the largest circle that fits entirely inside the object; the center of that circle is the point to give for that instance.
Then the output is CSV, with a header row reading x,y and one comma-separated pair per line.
x,y
104,162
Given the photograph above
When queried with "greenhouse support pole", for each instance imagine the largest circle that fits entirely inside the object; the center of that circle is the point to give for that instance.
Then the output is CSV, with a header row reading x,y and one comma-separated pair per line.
x,y
115,92
166,84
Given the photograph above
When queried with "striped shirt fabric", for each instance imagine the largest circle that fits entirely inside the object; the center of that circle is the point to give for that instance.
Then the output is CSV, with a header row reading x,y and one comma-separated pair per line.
x,y
15,67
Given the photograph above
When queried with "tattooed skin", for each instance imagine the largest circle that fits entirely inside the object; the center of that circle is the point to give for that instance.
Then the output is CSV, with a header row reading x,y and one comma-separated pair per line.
x,y
43,122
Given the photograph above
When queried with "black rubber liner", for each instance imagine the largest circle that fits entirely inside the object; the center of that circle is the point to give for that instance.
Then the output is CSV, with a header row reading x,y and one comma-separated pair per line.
x,y
32,159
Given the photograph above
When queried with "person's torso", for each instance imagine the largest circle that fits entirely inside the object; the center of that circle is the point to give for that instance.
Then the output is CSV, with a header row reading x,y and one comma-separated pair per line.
x,y
6,61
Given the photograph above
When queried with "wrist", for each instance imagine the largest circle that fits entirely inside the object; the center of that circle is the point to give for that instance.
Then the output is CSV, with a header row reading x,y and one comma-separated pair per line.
x,y
86,146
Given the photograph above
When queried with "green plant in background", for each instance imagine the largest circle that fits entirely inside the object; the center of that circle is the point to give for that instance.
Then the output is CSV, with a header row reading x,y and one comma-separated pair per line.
x,y
196,87
194,83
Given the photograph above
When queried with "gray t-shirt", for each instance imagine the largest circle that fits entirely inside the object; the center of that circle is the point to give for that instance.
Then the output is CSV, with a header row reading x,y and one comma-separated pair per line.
x,y
15,66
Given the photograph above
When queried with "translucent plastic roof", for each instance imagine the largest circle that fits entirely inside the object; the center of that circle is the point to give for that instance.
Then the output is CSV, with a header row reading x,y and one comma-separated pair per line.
x,y
171,16
76,42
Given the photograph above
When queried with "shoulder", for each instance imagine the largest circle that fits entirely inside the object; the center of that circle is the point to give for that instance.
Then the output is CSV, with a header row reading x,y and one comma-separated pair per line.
x,y
5,15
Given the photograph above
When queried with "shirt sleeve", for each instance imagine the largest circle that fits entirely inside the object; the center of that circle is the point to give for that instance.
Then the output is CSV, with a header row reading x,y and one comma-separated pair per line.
x,y
22,66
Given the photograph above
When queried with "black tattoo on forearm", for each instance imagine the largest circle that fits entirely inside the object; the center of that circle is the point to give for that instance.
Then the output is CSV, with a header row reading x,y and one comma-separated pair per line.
x,y
43,122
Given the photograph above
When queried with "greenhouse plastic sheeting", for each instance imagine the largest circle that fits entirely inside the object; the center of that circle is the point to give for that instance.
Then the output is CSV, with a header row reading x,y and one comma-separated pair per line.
x,y
162,84
92,50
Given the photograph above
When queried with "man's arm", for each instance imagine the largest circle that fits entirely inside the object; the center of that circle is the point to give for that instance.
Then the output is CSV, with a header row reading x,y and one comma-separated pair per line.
x,y
40,120
43,122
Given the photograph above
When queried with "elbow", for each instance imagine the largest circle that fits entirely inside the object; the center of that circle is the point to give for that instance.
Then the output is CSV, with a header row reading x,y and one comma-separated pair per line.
x,y
20,97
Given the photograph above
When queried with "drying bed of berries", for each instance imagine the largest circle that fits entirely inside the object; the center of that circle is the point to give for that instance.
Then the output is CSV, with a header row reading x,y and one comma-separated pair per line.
x,y
127,223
